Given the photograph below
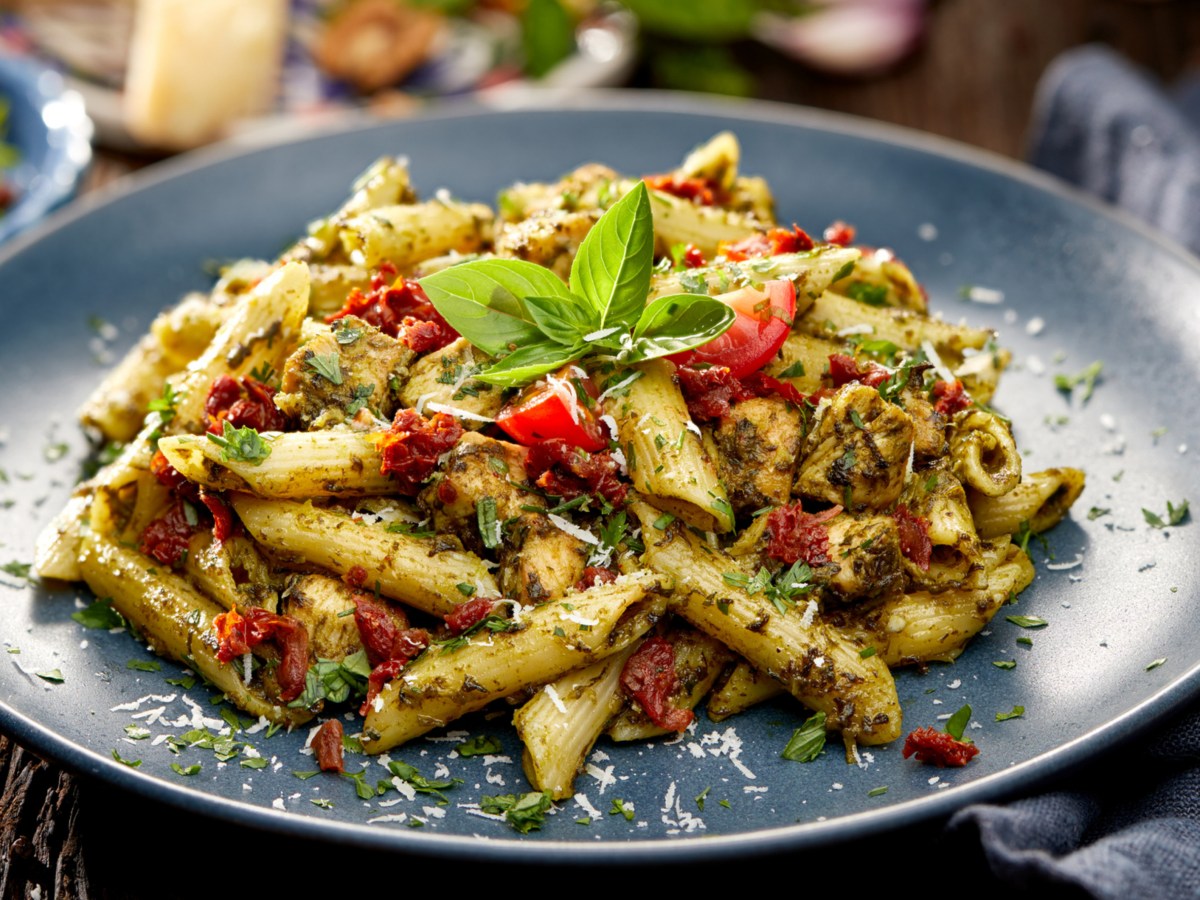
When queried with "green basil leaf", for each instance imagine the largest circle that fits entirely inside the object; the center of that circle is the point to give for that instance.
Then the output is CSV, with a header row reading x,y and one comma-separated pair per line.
x,y
530,362
612,269
482,300
564,321
679,322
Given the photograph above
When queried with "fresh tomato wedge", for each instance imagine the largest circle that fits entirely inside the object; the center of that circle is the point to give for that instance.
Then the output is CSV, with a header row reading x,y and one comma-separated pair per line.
x,y
552,407
764,320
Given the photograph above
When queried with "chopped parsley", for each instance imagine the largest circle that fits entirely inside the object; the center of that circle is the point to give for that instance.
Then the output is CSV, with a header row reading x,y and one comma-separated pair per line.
x,y
345,333
99,614
1005,663
54,676
807,741
700,798
1016,713
334,681
328,366
479,745
489,524
524,812
1176,515
241,444
362,393
18,570
877,792
620,809
132,763
957,723
1096,512
1027,621
187,771
795,370
419,782
144,665
1156,663
870,294
1088,378
136,732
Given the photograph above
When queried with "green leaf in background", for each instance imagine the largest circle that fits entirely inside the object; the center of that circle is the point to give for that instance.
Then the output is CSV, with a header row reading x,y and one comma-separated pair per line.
x,y
703,20
539,357
483,300
547,35
677,323
711,70
612,269
563,320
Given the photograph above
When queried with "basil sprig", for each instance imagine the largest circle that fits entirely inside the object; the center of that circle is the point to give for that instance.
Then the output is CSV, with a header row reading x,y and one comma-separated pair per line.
x,y
533,323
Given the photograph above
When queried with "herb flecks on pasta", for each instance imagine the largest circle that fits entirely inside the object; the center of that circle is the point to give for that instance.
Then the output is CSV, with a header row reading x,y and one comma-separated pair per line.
x,y
625,448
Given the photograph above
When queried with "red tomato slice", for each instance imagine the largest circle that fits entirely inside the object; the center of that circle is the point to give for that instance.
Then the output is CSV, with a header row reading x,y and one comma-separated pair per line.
x,y
764,320
551,408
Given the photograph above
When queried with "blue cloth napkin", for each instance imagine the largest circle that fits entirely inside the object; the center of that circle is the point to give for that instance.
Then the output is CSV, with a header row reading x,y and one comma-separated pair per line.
x,y
1129,826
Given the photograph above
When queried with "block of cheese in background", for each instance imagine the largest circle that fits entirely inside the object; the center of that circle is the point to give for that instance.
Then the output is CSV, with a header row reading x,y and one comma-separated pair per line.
x,y
195,66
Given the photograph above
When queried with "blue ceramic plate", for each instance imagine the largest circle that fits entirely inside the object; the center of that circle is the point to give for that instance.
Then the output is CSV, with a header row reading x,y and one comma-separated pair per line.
x,y
1079,284
51,132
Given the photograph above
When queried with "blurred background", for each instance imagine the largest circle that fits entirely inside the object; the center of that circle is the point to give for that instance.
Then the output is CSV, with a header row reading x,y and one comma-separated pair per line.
x,y
160,76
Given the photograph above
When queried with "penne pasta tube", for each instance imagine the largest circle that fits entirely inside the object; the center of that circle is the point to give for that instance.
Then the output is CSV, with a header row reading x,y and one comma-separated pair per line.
x,y
561,723
985,455
259,330
422,572
405,235
925,627
818,664
176,620
1041,499
743,688
300,464
831,313
552,639
699,662
664,452
117,407
802,359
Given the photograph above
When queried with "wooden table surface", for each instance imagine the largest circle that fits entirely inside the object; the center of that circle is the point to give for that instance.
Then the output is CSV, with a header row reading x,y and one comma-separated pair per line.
x,y
972,80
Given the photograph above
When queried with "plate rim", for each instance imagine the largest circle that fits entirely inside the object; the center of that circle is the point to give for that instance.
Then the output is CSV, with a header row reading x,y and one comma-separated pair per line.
x,y
1017,779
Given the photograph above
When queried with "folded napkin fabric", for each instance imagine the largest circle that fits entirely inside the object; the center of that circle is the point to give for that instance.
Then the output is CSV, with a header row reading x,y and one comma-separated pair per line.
x,y
1104,125
1128,825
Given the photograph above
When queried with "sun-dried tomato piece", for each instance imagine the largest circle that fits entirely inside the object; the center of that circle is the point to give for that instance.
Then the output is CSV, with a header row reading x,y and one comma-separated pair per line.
x,y
840,233
384,631
594,575
165,473
795,535
710,392
327,745
239,632
471,613
701,191
762,385
378,679
938,748
770,243
244,403
222,516
166,538
566,471
845,369
649,677
950,397
355,577
693,257
411,447
399,308
915,543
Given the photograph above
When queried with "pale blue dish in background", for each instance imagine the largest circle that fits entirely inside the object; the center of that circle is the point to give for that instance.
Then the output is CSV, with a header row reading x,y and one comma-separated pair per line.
x,y
48,126
1104,287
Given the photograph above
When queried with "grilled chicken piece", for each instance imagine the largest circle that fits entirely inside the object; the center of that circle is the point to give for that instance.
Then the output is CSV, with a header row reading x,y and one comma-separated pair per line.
x,y
327,382
543,561
538,560
758,442
549,238
929,428
444,376
857,452
322,604
866,550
